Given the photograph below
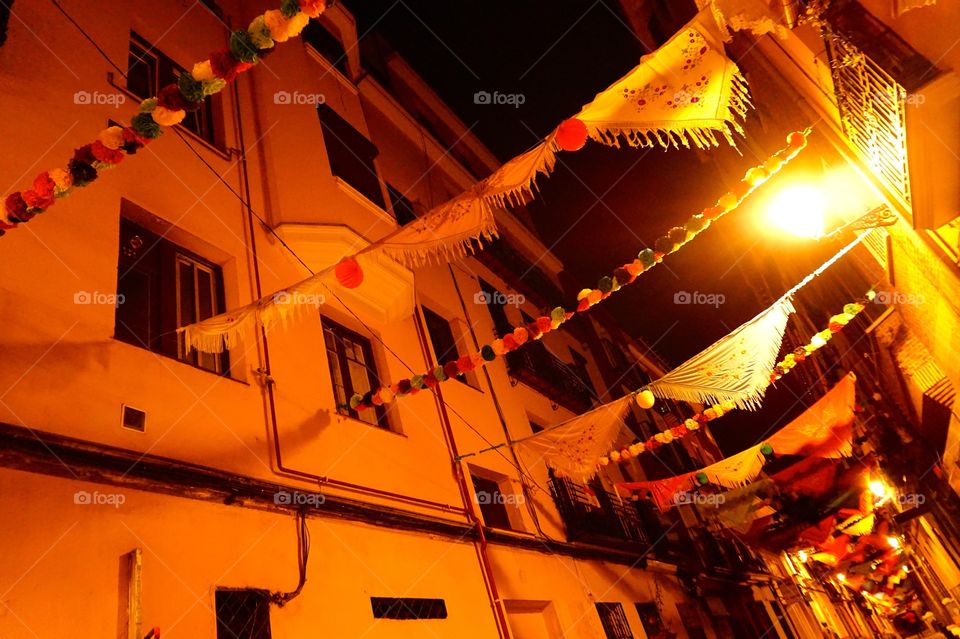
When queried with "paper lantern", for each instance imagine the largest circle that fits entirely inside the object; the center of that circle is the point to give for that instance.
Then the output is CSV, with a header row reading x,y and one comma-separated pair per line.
x,y
571,135
797,140
645,399
349,273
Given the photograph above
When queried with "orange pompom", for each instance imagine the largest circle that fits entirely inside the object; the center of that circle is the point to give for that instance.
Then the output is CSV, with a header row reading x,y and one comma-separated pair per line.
x,y
728,201
571,134
349,273
634,268
520,334
713,212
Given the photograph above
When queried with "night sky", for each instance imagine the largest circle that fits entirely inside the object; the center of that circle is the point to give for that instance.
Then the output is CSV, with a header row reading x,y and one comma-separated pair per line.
x,y
602,205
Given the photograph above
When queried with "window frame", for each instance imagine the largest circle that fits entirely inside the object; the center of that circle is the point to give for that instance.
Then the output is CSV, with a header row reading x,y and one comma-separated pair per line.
x,y
341,332
615,614
261,600
351,150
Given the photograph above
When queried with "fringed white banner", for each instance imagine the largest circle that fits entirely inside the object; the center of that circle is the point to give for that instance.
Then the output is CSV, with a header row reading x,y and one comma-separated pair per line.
x,y
759,17
686,92
734,369
573,448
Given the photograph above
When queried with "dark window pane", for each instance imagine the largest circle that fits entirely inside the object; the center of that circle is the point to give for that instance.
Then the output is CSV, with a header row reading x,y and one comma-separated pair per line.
x,y
326,44
402,207
441,337
495,301
243,614
408,608
350,154
491,502
352,371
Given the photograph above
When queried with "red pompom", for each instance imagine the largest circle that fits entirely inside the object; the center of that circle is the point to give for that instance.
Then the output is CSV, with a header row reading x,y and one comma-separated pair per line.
x,y
465,364
571,134
510,343
105,154
225,66
797,140
349,273
543,324
451,369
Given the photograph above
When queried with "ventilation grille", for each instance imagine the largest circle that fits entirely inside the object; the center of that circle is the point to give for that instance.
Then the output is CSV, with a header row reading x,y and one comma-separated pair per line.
x,y
134,419
408,608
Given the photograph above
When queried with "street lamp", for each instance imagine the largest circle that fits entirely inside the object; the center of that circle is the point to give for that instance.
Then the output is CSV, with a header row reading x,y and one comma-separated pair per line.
x,y
801,211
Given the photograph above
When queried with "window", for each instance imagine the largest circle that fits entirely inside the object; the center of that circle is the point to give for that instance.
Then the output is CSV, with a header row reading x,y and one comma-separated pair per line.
x,y
160,288
408,608
580,368
326,44
5,8
492,503
352,371
243,614
614,621
403,209
650,618
535,427
149,70
350,154
444,344
495,301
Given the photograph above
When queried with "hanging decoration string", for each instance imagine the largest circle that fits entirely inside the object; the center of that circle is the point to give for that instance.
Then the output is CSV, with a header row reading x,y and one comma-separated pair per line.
x,y
693,424
621,277
168,108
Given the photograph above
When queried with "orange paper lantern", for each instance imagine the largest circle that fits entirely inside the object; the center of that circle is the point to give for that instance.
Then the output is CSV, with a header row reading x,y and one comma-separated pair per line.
x,y
349,273
571,135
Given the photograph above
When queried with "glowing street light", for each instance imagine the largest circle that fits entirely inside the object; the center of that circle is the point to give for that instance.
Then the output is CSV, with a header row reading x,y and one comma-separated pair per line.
x,y
800,211
878,488
841,576
894,542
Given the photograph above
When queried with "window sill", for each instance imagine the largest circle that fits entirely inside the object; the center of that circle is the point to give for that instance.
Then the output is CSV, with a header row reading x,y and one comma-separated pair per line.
x,y
166,357
217,149
363,200
347,418
332,70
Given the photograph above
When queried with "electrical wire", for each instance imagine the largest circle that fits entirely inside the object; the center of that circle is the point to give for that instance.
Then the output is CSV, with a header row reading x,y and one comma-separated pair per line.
x,y
281,599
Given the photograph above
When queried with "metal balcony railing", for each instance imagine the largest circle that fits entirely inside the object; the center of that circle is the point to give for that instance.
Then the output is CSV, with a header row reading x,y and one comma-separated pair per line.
x,y
872,112
561,382
596,515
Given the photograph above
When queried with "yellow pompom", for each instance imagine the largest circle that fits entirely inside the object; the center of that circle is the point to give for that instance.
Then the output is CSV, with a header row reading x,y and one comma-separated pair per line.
x,y
168,117
61,179
727,201
297,23
386,395
645,399
583,293
498,347
615,456
111,137
278,25
202,71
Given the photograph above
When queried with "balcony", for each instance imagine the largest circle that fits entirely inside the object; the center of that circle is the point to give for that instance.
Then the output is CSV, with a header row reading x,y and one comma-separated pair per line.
x,y
557,380
596,516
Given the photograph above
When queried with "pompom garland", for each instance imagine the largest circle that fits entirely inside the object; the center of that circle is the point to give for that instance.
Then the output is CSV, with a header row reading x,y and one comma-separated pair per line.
x,y
169,108
693,424
607,285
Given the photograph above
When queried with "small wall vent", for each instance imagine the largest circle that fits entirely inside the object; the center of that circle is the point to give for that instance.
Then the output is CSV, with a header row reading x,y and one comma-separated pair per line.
x,y
133,419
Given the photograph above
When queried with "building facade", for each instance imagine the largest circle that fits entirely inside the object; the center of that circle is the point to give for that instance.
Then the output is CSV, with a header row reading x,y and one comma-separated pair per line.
x,y
146,485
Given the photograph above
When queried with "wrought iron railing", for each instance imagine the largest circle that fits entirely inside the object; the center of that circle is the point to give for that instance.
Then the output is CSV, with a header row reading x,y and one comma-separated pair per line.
x,y
561,382
596,515
872,108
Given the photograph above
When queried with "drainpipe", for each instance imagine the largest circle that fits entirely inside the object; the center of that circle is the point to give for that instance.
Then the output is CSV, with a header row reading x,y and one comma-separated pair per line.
x,y
264,352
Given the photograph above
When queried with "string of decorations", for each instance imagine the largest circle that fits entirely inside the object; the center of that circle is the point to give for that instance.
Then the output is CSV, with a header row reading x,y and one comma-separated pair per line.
x,y
646,400
168,108
586,298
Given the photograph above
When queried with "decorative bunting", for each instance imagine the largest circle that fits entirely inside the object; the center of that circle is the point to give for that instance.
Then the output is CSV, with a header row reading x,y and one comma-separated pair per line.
x,y
755,16
735,369
168,108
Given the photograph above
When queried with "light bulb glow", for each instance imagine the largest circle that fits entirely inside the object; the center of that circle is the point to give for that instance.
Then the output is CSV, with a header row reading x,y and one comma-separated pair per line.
x,y
894,542
878,488
841,576
802,555
800,211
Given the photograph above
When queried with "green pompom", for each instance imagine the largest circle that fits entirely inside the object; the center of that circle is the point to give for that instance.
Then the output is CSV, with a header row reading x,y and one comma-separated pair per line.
x,y
191,89
851,309
605,284
145,127
558,314
440,374
487,353
148,105
417,382
702,478
260,33
665,245
647,258
243,48
289,8
216,85
355,400
696,224
767,450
